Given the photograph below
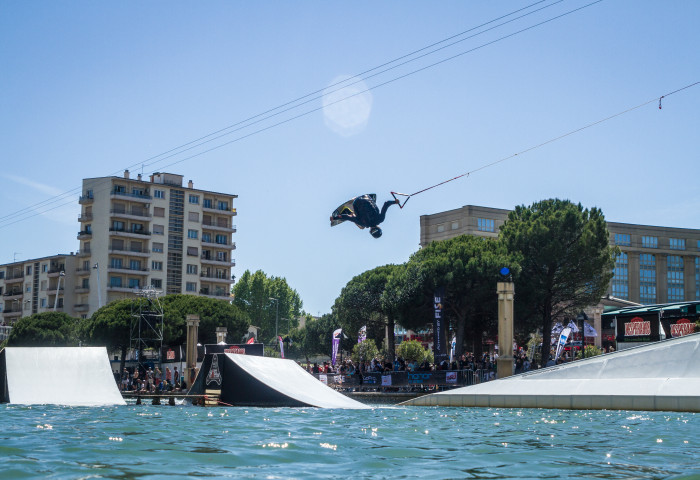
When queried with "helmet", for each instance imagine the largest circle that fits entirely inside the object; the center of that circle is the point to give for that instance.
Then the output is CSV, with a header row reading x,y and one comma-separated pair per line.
x,y
376,232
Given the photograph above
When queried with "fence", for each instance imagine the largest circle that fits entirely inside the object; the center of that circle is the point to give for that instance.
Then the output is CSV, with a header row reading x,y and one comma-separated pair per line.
x,y
403,380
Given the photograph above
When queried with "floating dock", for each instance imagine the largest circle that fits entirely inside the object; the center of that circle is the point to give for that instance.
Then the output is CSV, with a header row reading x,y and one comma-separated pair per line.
x,y
663,376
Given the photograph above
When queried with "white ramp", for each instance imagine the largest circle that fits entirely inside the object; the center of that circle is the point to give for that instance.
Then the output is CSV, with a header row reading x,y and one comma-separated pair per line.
x,y
289,379
662,376
73,376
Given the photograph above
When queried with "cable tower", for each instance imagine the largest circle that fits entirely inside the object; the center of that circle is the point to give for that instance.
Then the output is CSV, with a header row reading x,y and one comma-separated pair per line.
x,y
147,324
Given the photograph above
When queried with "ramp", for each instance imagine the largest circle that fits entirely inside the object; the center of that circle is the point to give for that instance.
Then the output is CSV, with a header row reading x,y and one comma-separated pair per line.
x,y
246,380
72,376
663,376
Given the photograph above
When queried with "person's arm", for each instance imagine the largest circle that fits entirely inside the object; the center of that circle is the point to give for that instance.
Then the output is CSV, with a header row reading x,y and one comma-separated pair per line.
x,y
385,207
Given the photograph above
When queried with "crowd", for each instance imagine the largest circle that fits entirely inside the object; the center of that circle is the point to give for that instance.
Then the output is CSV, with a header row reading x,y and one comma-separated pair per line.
x,y
149,380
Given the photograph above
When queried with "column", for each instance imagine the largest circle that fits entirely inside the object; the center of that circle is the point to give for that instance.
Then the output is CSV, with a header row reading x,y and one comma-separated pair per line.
x,y
506,296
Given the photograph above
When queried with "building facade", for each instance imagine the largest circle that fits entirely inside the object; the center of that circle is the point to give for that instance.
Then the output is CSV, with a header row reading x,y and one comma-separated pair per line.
x,y
134,233
656,264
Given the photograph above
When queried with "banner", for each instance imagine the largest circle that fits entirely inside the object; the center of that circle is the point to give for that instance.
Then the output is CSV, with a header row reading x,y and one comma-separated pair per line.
x,y
563,337
439,347
335,345
281,346
363,335
453,345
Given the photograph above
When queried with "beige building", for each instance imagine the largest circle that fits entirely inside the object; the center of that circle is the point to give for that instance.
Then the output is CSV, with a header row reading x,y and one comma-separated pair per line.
x,y
136,233
656,264
36,286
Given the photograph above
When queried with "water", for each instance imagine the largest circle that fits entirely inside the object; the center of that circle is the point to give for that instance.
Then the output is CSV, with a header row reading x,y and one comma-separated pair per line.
x,y
153,442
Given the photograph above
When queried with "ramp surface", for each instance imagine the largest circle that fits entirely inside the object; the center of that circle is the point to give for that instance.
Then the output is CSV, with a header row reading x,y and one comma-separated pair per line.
x,y
663,376
73,376
273,382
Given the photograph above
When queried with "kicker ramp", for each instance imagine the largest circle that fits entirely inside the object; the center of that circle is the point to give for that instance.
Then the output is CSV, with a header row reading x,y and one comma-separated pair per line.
x,y
663,376
247,380
72,376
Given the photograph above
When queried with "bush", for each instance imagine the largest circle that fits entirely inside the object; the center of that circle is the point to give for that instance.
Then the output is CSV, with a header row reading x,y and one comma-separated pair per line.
x,y
411,350
589,351
365,351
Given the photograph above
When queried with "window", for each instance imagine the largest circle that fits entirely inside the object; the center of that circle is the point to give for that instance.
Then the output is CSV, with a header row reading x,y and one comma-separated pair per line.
x,y
118,226
697,278
650,242
136,247
134,283
135,265
221,205
440,228
222,239
455,225
29,270
42,303
647,278
191,286
221,256
674,278
677,243
206,237
28,289
192,269
157,283
485,225
623,239
207,203
156,265
192,251
192,233
620,280
137,227
158,212
193,216
159,193
86,283
115,281
44,285
157,247
44,267
158,229
115,263
194,199
2,275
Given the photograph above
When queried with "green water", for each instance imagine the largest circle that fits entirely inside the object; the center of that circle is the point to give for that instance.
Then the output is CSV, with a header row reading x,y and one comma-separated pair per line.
x,y
387,442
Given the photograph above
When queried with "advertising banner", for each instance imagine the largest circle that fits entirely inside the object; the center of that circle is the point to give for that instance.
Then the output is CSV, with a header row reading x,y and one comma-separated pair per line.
x,y
638,328
439,347
335,345
362,335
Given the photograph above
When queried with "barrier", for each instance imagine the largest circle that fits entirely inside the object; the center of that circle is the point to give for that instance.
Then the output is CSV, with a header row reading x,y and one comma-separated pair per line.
x,y
376,380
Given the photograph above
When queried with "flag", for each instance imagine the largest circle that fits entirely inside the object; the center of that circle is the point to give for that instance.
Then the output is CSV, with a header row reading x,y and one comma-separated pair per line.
x,y
335,344
452,349
363,335
563,337
281,346
250,340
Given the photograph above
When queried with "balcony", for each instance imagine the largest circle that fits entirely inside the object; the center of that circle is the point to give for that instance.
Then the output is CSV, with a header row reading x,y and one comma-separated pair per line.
x,y
227,245
210,260
81,307
85,252
129,233
84,235
86,199
216,278
55,271
127,270
219,294
132,214
14,279
219,228
231,212
85,217
115,288
144,252
81,289
138,197
81,272
13,294
12,313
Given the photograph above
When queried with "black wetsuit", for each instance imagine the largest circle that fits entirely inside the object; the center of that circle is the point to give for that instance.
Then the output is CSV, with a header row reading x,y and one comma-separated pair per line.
x,y
367,213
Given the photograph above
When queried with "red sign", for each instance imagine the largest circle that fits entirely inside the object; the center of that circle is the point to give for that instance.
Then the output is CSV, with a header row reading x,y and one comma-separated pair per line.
x,y
682,327
170,354
238,350
637,327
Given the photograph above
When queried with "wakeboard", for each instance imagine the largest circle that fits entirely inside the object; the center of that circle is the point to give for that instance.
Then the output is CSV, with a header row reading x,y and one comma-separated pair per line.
x,y
346,208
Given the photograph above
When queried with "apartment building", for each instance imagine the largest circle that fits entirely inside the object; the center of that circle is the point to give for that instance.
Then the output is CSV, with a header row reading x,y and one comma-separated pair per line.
x,y
36,286
656,264
156,232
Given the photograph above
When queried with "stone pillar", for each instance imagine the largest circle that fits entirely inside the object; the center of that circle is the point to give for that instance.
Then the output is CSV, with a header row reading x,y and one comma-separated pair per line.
x,y
221,334
506,294
192,334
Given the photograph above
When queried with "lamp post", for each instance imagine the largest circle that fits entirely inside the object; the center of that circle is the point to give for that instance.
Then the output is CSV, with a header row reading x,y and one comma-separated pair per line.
x,y
99,286
277,315
58,287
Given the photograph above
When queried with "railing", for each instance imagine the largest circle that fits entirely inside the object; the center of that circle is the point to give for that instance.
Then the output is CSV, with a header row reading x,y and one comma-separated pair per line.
x,y
133,195
406,380
124,230
12,293
128,250
133,213
4,332
86,198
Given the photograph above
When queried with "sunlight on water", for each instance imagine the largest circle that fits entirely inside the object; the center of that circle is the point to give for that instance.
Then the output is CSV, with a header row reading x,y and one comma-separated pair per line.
x,y
412,442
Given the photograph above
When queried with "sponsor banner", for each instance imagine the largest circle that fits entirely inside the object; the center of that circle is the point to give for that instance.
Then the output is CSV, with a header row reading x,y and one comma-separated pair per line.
x,y
563,337
451,377
323,378
682,327
214,374
240,348
279,339
170,354
335,345
638,328
439,347
386,380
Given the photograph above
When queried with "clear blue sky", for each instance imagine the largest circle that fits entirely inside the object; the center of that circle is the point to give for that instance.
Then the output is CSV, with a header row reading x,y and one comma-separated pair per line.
x,y
89,88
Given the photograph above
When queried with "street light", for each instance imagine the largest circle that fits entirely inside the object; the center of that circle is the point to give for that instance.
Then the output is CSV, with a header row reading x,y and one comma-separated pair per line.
x,y
99,287
58,287
277,315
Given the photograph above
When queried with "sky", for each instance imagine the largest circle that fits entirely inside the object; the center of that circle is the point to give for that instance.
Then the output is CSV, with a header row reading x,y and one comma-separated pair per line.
x,y
310,112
